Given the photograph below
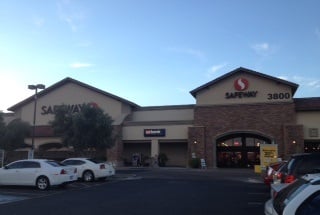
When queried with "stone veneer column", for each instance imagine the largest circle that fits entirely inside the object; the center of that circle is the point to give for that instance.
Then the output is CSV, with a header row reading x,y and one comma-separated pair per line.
x,y
196,142
114,154
154,148
293,138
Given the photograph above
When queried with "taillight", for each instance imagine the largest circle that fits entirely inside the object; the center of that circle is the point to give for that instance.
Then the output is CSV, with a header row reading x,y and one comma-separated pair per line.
x,y
62,172
102,166
279,175
275,193
289,179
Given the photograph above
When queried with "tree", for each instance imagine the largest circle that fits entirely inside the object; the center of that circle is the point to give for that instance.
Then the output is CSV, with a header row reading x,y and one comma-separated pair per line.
x,y
88,129
12,136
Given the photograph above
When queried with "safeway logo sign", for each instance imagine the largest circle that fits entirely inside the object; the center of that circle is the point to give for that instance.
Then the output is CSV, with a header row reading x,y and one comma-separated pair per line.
x,y
241,84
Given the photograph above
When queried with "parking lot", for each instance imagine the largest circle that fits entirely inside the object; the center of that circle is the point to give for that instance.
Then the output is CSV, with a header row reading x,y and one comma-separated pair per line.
x,y
146,190
17,193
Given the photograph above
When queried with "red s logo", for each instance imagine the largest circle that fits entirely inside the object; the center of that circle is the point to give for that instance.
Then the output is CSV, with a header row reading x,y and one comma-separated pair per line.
x,y
93,104
241,84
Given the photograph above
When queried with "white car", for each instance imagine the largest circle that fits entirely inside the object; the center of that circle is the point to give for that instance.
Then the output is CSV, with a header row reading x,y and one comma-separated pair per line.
x,y
90,169
301,197
41,173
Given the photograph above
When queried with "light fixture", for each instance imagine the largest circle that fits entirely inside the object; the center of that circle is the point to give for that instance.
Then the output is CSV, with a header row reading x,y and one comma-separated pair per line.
x,y
34,87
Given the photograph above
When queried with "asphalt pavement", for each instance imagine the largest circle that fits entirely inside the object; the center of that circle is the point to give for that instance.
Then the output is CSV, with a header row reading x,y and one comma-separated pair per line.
x,y
9,194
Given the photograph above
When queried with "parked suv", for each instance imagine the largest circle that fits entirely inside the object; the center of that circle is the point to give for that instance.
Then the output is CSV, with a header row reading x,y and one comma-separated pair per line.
x,y
298,165
302,197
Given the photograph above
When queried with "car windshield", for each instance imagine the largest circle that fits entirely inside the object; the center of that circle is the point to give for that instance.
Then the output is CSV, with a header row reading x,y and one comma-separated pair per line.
x,y
288,193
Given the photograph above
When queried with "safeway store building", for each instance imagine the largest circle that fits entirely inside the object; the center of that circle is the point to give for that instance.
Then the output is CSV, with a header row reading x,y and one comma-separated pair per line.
x,y
232,116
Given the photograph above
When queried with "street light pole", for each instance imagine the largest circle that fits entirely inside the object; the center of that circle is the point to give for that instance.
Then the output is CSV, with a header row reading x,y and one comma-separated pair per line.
x,y
34,87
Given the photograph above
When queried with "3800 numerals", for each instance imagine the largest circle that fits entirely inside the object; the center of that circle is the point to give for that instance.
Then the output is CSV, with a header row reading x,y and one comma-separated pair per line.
x,y
276,96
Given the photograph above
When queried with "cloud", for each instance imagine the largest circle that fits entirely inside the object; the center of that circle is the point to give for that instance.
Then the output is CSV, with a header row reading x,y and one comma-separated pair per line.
x,y
189,51
283,77
261,48
19,89
68,14
264,52
79,65
214,69
308,82
314,84
38,21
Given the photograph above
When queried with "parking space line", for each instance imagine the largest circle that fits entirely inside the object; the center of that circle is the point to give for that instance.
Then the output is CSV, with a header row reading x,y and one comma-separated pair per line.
x,y
9,198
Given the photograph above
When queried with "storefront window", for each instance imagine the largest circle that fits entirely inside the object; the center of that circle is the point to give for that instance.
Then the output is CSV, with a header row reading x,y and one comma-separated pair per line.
x,y
230,159
250,141
258,142
312,147
237,141
225,143
253,158
240,150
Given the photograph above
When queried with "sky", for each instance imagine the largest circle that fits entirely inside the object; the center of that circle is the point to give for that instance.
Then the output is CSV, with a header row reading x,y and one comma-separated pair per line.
x,y
154,52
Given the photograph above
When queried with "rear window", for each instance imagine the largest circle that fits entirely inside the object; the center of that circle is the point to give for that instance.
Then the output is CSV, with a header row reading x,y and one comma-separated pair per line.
x,y
288,193
54,163
292,164
73,162
95,160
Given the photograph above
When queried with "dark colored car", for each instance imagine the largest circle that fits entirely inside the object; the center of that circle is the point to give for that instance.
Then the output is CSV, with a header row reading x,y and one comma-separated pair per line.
x,y
297,166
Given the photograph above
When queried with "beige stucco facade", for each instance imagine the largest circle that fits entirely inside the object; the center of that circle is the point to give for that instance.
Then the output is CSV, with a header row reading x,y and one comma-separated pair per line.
x,y
72,95
242,104
311,124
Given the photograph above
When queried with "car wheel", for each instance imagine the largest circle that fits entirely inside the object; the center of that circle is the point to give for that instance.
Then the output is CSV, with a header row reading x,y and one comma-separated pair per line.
x,y
88,176
42,183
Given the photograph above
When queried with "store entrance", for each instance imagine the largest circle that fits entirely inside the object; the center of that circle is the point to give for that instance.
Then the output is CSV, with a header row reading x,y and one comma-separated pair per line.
x,y
239,150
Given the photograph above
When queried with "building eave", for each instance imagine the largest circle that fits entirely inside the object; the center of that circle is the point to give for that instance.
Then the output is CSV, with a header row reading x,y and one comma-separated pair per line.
x,y
293,86
66,81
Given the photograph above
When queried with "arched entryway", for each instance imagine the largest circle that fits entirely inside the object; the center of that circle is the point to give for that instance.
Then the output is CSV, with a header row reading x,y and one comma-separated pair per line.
x,y
239,149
